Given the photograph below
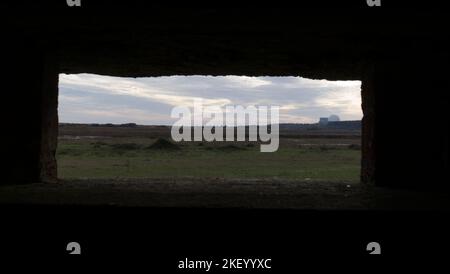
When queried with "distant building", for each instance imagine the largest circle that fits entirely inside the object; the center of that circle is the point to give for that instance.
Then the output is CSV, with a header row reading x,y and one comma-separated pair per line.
x,y
323,121
334,118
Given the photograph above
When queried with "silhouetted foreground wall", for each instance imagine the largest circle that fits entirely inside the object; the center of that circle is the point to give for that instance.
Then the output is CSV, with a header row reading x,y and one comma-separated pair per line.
x,y
30,116
400,56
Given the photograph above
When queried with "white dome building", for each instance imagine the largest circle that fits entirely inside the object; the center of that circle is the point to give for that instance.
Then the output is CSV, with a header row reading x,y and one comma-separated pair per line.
x,y
333,118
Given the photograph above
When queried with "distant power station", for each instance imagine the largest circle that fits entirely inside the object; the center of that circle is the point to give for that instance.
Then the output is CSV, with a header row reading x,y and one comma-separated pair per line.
x,y
323,121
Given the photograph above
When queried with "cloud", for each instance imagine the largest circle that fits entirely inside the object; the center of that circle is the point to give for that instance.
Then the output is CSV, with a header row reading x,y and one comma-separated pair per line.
x,y
89,98
246,82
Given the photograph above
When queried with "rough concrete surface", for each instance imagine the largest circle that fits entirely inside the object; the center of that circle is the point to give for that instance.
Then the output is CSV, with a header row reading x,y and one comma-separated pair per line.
x,y
219,193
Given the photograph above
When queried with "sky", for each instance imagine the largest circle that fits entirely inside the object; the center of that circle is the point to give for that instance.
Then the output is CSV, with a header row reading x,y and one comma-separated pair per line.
x,y
90,98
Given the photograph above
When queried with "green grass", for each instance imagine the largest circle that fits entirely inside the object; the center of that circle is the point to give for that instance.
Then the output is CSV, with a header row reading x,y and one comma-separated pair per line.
x,y
131,157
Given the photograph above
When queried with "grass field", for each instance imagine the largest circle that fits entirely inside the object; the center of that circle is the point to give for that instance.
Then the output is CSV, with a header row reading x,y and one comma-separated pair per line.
x,y
325,159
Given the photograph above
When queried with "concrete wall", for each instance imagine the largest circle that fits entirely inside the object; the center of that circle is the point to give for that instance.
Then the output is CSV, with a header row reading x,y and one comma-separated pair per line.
x,y
399,60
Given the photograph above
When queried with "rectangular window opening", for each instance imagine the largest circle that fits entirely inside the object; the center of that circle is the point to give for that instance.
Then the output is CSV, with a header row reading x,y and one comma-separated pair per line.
x,y
120,128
